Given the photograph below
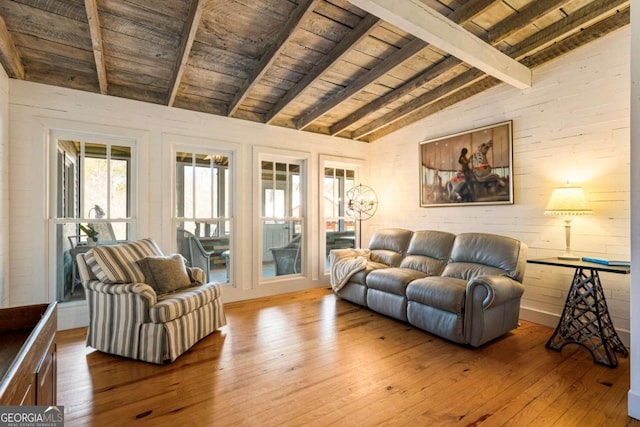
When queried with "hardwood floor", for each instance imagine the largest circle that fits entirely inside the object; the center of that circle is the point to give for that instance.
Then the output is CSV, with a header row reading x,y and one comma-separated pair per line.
x,y
310,359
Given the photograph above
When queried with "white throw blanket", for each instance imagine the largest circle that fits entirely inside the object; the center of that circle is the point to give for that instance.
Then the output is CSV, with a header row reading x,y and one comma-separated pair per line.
x,y
345,263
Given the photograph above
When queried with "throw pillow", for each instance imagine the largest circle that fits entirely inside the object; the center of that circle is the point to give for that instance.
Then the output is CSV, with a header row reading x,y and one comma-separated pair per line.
x,y
165,273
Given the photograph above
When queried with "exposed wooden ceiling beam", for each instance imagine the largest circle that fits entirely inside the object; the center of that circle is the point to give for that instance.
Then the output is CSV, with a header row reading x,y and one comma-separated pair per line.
x,y
413,84
487,82
361,31
96,42
580,38
515,22
586,35
191,28
470,10
395,59
583,16
302,10
420,20
460,16
441,91
9,54
547,35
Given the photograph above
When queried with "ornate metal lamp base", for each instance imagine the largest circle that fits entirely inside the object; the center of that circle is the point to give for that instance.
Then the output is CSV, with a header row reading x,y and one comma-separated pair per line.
x,y
585,321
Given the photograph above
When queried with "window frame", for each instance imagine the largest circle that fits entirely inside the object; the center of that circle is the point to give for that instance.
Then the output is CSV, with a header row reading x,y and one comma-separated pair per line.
x,y
174,144
96,136
303,159
335,162
217,191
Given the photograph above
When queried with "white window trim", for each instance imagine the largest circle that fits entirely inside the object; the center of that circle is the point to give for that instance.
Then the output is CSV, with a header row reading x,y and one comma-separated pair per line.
x,y
54,220
55,129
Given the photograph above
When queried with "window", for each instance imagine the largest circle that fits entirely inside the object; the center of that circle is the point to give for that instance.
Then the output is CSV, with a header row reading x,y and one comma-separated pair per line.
x,y
282,217
93,203
203,211
339,229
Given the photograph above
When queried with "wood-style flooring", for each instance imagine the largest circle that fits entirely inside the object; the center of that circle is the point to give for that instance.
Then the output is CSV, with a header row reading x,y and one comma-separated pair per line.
x,y
309,358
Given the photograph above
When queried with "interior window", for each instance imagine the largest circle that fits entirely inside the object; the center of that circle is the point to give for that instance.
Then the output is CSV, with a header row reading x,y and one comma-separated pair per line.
x,y
203,212
282,219
93,205
339,229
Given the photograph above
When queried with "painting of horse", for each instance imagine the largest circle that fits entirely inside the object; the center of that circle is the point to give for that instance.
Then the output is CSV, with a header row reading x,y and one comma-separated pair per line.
x,y
468,168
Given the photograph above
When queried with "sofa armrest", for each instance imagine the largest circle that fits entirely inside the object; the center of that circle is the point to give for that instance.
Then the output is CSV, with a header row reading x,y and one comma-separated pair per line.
x,y
491,291
196,273
144,292
116,316
492,308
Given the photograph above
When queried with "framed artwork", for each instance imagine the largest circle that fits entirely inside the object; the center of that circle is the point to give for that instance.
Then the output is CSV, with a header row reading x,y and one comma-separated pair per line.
x,y
469,168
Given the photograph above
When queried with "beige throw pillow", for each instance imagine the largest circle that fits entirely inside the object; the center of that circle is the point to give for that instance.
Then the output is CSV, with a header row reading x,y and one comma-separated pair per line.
x,y
165,273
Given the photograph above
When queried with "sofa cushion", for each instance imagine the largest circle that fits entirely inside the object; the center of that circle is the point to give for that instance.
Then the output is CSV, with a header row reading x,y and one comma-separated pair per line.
x,y
165,273
468,271
445,293
498,254
428,251
389,245
361,276
434,244
117,263
393,280
176,304
389,258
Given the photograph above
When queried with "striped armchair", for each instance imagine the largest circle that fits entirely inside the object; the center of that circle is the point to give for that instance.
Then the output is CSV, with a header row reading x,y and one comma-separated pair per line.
x,y
127,317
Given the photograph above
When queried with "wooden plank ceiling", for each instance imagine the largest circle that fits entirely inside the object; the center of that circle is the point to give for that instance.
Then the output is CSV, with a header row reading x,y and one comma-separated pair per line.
x,y
323,66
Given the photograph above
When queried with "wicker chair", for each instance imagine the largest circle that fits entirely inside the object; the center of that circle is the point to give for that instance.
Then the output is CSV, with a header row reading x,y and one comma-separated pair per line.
x,y
193,251
287,258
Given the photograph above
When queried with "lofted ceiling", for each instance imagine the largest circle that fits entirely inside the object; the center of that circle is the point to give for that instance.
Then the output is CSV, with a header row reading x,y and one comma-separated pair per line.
x,y
323,66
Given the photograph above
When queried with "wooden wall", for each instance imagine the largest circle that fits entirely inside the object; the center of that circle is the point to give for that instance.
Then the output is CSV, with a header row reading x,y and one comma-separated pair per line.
x,y
572,124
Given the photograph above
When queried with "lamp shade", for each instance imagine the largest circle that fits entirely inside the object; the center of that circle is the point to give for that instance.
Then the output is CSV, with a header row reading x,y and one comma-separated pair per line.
x,y
567,201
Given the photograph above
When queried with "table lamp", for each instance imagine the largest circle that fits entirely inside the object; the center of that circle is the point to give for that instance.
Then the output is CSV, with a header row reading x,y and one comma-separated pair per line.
x,y
568,202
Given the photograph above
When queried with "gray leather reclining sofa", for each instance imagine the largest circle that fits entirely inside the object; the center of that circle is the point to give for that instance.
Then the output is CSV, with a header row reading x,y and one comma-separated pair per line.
x,y
465,288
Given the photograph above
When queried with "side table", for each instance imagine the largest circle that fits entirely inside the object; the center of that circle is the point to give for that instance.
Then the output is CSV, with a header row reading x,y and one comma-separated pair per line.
x,y
585,318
